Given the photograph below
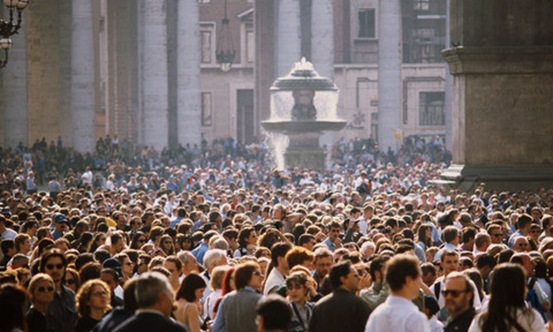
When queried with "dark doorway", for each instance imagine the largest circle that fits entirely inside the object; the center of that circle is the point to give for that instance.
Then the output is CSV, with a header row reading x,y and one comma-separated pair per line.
x,y
245,118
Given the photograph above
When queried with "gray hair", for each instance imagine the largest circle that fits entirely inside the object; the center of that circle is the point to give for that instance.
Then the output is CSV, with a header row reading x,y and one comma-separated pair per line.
x,y
212,256
149,287
217,275
220,243
183,257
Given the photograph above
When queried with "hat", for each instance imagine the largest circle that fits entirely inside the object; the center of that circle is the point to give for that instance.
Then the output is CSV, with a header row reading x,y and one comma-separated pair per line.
x,y
114,264
60,218
431,304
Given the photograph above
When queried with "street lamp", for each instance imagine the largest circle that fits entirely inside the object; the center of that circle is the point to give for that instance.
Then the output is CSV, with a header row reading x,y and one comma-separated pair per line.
x,y
11,27
225,50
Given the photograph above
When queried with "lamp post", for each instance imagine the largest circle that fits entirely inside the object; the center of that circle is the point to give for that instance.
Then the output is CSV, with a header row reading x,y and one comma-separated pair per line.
x,y
225,50
11,27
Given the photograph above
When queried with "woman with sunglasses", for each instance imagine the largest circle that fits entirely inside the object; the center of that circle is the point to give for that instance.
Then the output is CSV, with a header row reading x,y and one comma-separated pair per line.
x,y
138,240
72,279
41,287
98,240
296,284
166,244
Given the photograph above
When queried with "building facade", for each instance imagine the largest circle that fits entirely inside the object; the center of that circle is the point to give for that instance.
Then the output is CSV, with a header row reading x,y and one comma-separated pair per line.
x,y
146,70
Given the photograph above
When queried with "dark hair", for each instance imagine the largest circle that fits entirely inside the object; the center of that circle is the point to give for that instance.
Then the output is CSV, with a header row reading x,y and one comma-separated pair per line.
x,y
13,304
137,235
400,267
376,265
49,254
188,287
244,235
342,269
507,289
275,312
243,274
129,300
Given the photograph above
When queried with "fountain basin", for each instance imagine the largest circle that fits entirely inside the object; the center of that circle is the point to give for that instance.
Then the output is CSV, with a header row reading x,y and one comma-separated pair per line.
x,y
294,127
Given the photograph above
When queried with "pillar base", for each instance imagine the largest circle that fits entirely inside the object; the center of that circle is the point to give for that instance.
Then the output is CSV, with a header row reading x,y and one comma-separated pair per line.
x,y
305,158
512,178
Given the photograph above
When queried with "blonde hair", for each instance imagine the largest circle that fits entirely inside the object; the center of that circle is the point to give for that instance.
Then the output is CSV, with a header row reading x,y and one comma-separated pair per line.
x,y
36,279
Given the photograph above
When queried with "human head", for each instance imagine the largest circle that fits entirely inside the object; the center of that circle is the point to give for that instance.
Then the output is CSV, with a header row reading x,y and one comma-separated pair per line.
x,y
323,261
153,291
42,281
190,287
53,263
299,256
248,274
273,314
449,261
458,293
94,292
344,275
402,275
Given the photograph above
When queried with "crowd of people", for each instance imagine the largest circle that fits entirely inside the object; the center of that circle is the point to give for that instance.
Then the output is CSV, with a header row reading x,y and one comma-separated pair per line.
x,y
129,239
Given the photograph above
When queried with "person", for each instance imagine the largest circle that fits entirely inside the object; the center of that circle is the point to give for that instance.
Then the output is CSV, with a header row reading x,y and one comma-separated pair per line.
x,y
41,288
93,301
278,269
341,310
188,299
14,300
247,241
273,314
236,312
118,315
458,295
507,309
62,313
302,311
154,296
398,313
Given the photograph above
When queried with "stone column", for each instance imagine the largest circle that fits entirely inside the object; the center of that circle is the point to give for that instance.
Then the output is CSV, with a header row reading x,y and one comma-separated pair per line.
x,y
289,36
83,88
502,88
389,73
14,91
154,71
322,40
189,110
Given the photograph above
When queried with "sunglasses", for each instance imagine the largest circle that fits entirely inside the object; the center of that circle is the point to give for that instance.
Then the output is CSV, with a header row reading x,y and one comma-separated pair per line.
x,y
45,289
454,293
70,281
294,286
52,266
257,273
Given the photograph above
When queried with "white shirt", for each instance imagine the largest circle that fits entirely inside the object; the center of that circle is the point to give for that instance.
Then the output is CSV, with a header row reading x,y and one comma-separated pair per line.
x,y
274,279
397,314
533,322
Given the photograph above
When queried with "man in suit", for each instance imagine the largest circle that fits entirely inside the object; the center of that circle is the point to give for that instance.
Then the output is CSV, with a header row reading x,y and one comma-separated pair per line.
x,y
155,298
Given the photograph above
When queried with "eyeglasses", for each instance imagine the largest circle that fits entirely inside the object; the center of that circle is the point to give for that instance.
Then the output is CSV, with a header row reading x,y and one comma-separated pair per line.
x,y
497,235
100,293
45,289
52,266
257,273
167,242
70,281
294,286
452,292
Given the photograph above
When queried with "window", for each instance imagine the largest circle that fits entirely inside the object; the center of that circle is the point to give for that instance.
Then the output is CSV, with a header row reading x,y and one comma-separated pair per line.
x,y
250,46
204,1
367,23
421,4
431,108
206,40
207,114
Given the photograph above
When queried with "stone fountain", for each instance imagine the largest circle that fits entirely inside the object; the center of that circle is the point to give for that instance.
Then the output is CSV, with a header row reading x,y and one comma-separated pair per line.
x,y
303,107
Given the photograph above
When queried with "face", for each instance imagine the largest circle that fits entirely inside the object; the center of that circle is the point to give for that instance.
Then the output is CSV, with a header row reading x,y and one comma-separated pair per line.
x,y
296,291
98,298
457,299
25,246
351,281
429,279
175,273
192,263
44,292
127,267
142,266
450,264
70,282
252,239
521,245
529,265
256,280
109,279
496,235
323,265
199,293
54,268
333,234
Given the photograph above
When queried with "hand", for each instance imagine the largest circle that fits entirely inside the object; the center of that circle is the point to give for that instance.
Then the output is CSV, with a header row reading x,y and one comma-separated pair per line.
x,y
365,281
